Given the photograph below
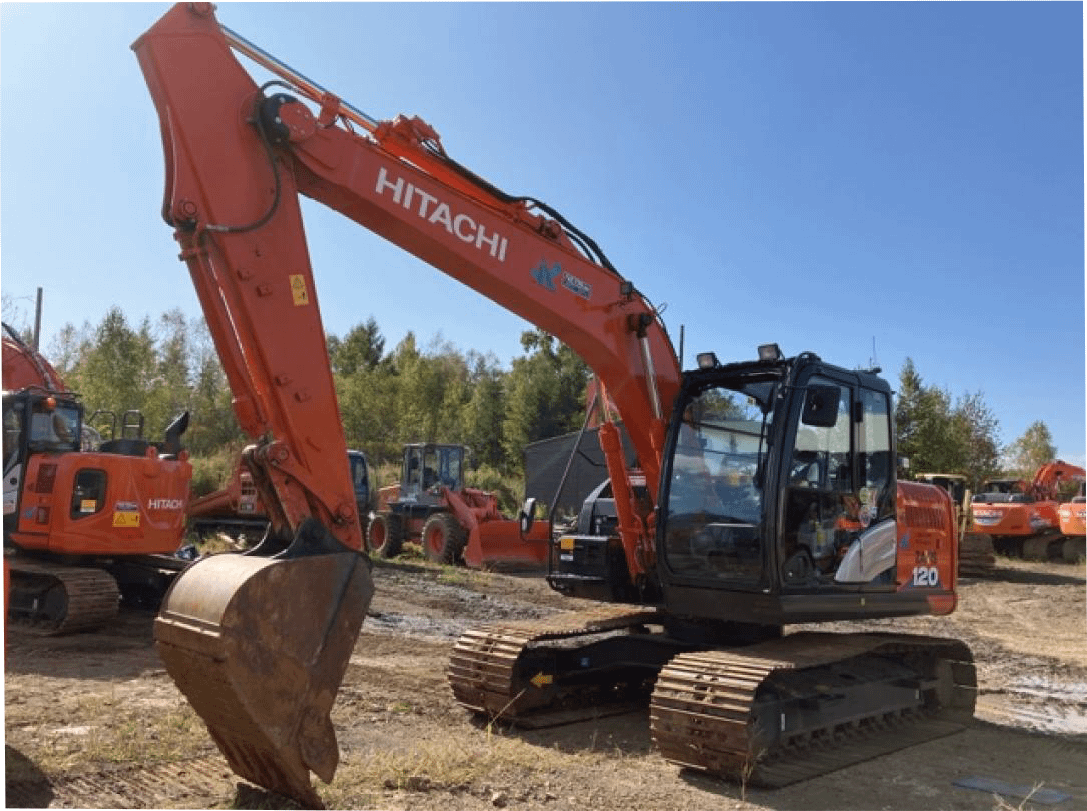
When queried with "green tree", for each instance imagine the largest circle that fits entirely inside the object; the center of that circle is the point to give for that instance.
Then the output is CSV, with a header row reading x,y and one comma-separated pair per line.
x,y
975,431
938,437
361,349
169,387
485,410
1030,451
369,409
545,394
922,420
424,378
67,346
213,427
115,369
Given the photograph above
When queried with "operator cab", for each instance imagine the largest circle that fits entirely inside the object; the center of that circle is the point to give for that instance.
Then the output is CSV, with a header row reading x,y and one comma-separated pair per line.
x,y
36,421
1003,491
428,466
778,493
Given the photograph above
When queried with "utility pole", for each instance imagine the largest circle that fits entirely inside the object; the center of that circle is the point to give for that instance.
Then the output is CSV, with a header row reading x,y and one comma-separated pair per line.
x,y
38,319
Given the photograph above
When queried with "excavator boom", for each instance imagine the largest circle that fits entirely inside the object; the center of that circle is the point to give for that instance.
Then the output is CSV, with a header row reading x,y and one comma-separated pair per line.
x,y
260,672
237,157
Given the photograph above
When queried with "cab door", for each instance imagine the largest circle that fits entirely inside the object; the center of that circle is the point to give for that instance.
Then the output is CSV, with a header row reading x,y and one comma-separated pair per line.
x,y
838,505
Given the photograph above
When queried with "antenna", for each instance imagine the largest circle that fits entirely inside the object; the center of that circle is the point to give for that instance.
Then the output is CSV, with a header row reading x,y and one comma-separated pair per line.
x,y
873,362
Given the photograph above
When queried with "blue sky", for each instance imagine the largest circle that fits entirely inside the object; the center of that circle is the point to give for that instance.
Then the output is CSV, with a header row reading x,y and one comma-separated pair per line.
x,y
830,176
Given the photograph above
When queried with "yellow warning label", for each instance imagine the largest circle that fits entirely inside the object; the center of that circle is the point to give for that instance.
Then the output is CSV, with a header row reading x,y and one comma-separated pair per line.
x,y
298,290
126,519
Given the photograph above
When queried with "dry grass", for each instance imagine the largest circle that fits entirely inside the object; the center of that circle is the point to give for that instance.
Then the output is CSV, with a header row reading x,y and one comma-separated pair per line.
x,y
455,764
119,734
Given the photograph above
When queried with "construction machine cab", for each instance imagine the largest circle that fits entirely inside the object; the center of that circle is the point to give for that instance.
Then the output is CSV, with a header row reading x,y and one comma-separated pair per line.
x,y
954,483
36,421
54,420
428,466
779,484
994,487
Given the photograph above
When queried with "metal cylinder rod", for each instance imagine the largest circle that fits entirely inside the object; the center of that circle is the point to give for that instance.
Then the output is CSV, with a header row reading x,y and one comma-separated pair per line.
x,y
651,376
313,90
570,461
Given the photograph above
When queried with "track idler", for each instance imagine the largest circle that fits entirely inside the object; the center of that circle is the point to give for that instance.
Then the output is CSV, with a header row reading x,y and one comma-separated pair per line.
x,y
259,647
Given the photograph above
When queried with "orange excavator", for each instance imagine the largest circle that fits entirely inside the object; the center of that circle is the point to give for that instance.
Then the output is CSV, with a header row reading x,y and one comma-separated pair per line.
x,y
770,492
85,522
236,509
1021,516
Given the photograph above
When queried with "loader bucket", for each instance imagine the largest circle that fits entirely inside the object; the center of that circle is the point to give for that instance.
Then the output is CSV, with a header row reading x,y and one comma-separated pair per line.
x,y
259,647
502,544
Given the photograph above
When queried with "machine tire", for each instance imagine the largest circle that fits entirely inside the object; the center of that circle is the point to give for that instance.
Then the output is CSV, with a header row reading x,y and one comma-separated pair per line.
x,y
443,538
386,535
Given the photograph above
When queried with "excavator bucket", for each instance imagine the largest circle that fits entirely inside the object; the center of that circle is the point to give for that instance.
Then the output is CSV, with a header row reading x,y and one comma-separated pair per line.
x,y
259,647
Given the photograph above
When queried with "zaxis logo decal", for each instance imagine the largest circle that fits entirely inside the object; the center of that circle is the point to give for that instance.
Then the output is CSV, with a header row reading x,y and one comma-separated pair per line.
x,y
545,277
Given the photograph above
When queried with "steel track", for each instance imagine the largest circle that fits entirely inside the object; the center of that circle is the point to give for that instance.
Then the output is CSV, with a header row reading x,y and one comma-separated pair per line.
x,y
52,599
768,714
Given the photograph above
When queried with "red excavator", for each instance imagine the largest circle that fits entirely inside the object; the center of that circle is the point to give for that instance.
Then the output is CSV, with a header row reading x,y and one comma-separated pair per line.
x,y
236,509
85,521
770,494
1021,516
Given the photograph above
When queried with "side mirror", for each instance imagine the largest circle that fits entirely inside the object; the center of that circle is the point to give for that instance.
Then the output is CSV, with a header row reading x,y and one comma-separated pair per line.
x,y
527,515
821,406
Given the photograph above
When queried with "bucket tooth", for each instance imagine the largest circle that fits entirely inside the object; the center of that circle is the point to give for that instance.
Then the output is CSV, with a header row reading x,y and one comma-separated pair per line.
x,y
259,647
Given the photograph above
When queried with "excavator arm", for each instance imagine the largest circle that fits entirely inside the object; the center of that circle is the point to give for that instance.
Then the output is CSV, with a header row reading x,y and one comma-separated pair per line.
x,y
232,630
1048,479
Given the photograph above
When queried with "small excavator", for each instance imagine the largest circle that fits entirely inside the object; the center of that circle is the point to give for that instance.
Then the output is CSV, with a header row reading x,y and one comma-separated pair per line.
x,y
770,495
83,526
1023,517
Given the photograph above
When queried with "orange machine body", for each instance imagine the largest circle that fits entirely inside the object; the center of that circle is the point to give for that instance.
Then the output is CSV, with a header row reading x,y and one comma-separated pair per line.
x,y
453,523
64,500
927,555
1019,509
24,366
139,511
237,161
1072,516
87,521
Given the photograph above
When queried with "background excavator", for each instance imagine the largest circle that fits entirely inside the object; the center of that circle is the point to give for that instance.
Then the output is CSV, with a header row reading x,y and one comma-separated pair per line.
x,y
85,521
770,494
235,509
1022,517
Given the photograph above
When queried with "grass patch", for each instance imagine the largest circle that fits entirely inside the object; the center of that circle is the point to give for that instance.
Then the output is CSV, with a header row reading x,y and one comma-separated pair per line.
x,y
460,576
454,764
129,735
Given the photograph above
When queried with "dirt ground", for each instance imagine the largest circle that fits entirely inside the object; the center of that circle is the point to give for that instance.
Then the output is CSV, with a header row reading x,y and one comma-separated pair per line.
x,y
93,721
